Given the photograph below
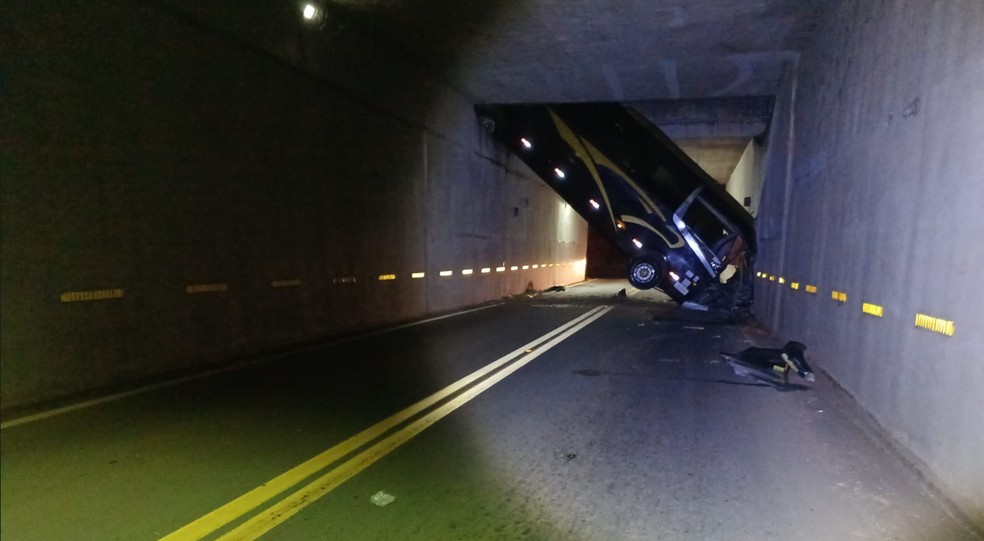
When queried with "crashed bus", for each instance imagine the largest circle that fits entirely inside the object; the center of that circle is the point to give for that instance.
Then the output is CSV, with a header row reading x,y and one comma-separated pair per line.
x,y
682,232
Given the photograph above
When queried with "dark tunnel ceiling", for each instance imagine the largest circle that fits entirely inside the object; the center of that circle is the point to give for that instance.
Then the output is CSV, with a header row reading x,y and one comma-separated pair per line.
x,y
591,50
500,51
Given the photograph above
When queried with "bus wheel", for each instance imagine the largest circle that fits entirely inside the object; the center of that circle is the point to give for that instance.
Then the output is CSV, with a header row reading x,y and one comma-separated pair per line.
x,y
644,272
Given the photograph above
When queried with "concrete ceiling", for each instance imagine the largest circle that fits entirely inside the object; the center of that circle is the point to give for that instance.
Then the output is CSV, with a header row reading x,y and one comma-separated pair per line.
x,y
499,51
593,50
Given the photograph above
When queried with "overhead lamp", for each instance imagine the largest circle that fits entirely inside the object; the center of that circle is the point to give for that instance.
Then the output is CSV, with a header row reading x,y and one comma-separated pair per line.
x,y
526,143
594,204
312,13
559,172
637,243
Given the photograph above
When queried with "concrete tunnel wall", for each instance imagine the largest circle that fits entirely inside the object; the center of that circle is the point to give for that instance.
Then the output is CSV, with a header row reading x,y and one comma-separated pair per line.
x,y
222,183
884,124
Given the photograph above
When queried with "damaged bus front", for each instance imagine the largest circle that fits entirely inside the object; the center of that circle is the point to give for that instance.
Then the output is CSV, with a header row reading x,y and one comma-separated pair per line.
x,y
681,231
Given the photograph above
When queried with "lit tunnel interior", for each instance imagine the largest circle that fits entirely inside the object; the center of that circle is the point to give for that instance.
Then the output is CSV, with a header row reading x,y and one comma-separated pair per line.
x,y
188,184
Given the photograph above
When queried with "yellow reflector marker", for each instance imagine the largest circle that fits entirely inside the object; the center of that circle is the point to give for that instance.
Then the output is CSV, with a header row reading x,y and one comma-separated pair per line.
x,y
294,282
772,278
873,309
839,296
486,270
97,295
205,288
343,280
935,324
794,285
418,275
386,277
811,289
466,272
782,280
500,269
446,273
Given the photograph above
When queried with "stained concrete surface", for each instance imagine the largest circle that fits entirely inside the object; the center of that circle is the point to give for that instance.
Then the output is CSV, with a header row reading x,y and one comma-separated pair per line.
x,y
873,189
631,429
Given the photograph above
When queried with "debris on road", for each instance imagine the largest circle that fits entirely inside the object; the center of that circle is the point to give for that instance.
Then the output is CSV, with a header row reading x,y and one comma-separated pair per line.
x,y
382,499
555,289
621,293
567,455
771,365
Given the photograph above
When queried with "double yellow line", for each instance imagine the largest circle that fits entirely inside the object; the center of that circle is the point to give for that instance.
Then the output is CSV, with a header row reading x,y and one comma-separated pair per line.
x,y
467,389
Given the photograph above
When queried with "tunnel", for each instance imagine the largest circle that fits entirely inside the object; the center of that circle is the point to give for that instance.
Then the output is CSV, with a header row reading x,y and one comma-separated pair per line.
x,y
263,272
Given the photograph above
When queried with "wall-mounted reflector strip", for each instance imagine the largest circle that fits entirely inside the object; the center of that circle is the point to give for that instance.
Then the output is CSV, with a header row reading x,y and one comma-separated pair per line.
x,y
206,288
466,272
446,273
500,269
514,267
294,282
838,296
873,309
486,270
782,280
536,266
386,277
811,289
418,275
343,280
935,324
96,295
526,267
794,285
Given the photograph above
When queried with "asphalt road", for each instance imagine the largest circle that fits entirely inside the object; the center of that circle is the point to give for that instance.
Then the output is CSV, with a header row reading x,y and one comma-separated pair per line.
x,y
577,415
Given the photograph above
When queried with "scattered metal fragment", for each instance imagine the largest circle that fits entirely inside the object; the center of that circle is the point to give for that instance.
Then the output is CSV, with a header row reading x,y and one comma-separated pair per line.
x,y
382,499
771,365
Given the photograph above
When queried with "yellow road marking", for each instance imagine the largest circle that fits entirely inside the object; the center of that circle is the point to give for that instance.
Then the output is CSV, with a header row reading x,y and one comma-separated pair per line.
x,y
294,503
256,497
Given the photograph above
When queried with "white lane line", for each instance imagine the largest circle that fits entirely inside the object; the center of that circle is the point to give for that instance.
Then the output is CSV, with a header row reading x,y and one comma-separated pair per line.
x,y
295,502
239,366
581,283
238,507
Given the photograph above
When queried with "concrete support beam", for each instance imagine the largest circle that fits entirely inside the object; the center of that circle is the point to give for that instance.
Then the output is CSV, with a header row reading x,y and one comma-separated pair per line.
x,y
742,117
